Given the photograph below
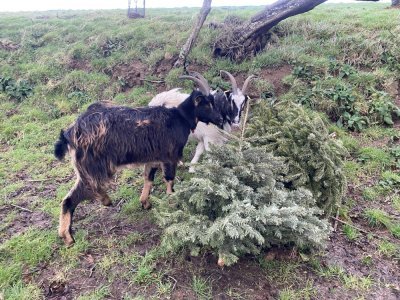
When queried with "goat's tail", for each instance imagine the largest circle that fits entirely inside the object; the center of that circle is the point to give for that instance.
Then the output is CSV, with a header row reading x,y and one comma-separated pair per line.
x,y
61,146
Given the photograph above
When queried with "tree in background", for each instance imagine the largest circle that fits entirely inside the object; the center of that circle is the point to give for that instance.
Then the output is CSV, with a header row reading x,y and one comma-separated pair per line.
x,y
238,41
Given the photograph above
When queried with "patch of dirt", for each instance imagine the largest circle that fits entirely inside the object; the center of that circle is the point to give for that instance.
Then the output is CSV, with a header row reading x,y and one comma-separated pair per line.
x,y
165,65
78,64
129,75
245,278
349,255
275,76
8,45
87,276
23,220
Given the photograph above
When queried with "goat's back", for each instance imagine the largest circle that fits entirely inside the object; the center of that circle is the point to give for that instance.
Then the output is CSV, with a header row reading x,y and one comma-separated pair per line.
x,y
124,135
171,98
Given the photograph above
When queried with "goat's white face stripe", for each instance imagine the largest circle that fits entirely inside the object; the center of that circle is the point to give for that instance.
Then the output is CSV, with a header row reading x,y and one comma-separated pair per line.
x,y
239,99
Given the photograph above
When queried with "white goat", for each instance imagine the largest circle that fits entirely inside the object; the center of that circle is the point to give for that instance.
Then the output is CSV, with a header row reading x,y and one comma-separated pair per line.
x,y
229,103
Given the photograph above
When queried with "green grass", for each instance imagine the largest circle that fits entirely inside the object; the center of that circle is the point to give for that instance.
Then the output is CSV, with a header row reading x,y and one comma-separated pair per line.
x,y
350,232
201,287
98,294
374,158
353,282
388,249
308,292
378,217
396,203
71,62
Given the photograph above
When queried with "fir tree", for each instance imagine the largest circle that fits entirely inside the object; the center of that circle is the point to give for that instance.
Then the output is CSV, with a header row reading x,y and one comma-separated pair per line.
x,y
314,159
236,204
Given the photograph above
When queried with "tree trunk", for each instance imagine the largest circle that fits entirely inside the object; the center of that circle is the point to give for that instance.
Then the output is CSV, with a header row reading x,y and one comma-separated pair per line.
x,y
193,36
238,43
395,3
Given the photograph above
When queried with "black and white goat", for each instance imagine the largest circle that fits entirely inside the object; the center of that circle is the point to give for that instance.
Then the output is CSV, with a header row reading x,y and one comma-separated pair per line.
x,y
107,137
229,104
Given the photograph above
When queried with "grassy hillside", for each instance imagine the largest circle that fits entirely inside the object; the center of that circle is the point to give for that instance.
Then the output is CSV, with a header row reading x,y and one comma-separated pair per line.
x,y
341,60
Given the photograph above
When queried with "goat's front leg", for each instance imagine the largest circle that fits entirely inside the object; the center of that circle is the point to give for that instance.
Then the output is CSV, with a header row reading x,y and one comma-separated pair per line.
x,y
148,174
199,151
169,176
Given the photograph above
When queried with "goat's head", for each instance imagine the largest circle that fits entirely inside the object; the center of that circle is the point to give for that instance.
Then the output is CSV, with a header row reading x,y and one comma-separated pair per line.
x,y
203,102
237,96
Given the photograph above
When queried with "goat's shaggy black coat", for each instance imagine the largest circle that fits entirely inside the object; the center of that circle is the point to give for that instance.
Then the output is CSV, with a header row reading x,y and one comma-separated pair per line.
x,y
107,136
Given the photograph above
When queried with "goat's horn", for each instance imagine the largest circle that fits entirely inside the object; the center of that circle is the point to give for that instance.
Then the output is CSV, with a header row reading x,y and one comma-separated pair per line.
x,y
199,76
233,81
246,83
204,88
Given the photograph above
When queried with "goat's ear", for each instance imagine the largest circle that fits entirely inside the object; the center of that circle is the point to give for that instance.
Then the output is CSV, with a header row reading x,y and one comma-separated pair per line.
x,y
227,94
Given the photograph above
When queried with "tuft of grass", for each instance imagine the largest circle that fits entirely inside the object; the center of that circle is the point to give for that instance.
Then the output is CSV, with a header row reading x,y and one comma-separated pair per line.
x,y
374,158
98,294
377,217
308,292
349,281
19,248
282,271
388,249
367,260
21,291
9,274
350,232
357,282
353,170
201,287
396,203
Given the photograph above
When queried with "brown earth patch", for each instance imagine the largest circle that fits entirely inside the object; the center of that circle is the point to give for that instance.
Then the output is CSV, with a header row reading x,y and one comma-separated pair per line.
x,y
8,45
165,65
87,275
23,220
275,76
129,75
77,64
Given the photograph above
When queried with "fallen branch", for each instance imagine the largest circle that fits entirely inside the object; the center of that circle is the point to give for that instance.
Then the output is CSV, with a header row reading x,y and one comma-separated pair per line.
x,y
351,225
336,220
22,208
152,81
175,282
91,271
38,180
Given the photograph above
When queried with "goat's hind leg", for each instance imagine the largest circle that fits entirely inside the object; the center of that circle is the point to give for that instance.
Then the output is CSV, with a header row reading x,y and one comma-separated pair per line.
x,y
103,197
78,193
148,174
169,176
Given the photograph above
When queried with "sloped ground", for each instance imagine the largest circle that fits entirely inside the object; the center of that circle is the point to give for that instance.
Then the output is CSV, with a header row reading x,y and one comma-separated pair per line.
x,y
118,253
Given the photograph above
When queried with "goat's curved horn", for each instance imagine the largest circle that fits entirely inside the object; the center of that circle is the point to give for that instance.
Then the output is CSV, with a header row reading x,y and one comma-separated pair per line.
x,y
199,76
233,81
204,88
246,83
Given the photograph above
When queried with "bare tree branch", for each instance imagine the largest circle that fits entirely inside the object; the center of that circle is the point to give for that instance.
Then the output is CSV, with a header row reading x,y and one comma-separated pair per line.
x,y
193,36
246,38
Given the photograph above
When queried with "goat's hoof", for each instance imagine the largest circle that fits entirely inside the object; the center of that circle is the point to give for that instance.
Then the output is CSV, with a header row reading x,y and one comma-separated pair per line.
x,y
146,205
106,202
68,241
